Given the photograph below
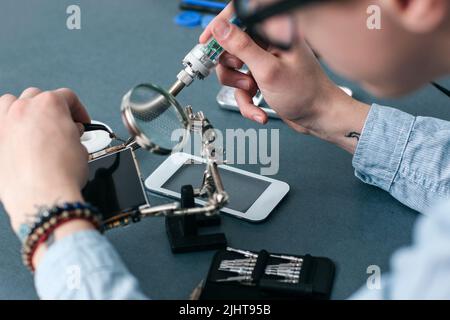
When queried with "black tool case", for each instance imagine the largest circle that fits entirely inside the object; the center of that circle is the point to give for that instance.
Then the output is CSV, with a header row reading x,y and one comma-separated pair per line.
x,y
315,281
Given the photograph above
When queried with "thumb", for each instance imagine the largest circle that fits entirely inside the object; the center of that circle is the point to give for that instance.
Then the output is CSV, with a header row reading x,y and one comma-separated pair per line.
x,y
239,44
80,127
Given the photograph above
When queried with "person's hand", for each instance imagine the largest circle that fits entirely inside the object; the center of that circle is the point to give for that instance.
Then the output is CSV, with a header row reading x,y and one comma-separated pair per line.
x,y
292,83
42,161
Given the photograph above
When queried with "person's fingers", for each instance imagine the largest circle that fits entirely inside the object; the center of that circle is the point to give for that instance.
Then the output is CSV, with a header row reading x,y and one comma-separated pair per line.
x,y
239,44
6,101
30,93
226,13
80,127
248,109
230,61
236,79
77,109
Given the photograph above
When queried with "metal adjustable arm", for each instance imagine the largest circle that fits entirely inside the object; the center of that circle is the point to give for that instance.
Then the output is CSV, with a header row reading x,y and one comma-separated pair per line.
x,y
212,187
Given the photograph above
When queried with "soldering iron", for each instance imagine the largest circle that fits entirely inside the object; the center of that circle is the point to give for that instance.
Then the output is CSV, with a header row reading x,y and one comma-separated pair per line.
x,y
199,62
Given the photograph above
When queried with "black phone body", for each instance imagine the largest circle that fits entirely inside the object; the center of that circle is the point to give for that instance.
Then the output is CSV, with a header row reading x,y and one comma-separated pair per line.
x,y
115,187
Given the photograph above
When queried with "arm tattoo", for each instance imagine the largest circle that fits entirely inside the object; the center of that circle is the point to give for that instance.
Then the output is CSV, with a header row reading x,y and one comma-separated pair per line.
x,y
354,135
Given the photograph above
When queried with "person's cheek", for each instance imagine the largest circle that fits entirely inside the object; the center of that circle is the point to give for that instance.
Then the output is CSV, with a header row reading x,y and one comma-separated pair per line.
x,y
279,28
326,37
335,53
340,36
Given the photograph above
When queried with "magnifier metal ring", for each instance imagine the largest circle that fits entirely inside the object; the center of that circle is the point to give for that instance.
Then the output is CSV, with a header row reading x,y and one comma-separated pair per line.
x,y
151,114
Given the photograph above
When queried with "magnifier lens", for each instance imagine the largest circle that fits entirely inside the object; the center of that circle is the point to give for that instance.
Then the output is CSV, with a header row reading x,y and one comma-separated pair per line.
x,y
154,116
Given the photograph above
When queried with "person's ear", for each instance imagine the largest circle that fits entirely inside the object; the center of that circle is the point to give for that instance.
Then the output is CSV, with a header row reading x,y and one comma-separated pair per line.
x,y
420,16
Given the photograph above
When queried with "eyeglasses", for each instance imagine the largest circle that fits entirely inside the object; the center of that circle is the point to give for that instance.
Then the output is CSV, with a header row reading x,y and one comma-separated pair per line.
x,y
441,89
271,21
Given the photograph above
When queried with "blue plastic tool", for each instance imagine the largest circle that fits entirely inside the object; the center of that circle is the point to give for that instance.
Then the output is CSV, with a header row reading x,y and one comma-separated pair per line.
x,y
188,19
205,4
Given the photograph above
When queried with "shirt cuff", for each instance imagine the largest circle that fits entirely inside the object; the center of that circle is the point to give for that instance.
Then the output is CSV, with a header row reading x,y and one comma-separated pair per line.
x,y
381,146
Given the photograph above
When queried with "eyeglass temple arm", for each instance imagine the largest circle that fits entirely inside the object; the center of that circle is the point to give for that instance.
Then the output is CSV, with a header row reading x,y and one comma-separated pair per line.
x,y
441,88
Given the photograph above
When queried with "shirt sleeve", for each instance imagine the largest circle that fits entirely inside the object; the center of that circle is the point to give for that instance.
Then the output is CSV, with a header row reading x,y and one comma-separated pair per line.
x,y
405,155
421,271
84,266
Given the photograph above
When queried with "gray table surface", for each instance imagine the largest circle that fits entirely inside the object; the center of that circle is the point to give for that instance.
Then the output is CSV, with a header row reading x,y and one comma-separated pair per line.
x,y
122,43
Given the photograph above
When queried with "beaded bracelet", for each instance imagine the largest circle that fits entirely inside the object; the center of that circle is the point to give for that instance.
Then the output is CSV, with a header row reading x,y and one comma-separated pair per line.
x,y
48,220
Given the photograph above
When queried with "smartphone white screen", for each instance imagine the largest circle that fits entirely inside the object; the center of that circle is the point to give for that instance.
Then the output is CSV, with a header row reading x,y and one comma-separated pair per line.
x,y
243,190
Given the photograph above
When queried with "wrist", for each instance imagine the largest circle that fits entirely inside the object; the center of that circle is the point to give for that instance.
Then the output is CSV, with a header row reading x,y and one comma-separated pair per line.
x,y
29,203
66,229
337,118
53,223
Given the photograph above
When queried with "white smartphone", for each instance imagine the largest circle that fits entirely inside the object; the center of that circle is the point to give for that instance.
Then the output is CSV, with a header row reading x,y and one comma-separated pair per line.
x,y
226,100
252,197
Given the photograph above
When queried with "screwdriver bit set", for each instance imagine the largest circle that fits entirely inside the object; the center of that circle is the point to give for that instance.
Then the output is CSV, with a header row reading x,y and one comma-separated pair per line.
x,y
284,272
243,274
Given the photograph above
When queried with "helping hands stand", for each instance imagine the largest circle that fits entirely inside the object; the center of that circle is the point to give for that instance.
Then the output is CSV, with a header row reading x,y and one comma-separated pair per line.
x,y
184,220
183,231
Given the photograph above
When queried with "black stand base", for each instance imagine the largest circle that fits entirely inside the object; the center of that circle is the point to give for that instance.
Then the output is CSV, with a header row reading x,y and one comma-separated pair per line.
x,y
183,230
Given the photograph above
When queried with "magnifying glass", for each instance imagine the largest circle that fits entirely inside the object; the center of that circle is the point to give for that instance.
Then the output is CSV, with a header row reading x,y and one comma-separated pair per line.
x,y
159,124
156,119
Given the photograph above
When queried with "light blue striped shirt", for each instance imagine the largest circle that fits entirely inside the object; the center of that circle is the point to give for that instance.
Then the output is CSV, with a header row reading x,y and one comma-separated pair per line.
x,y
407,156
